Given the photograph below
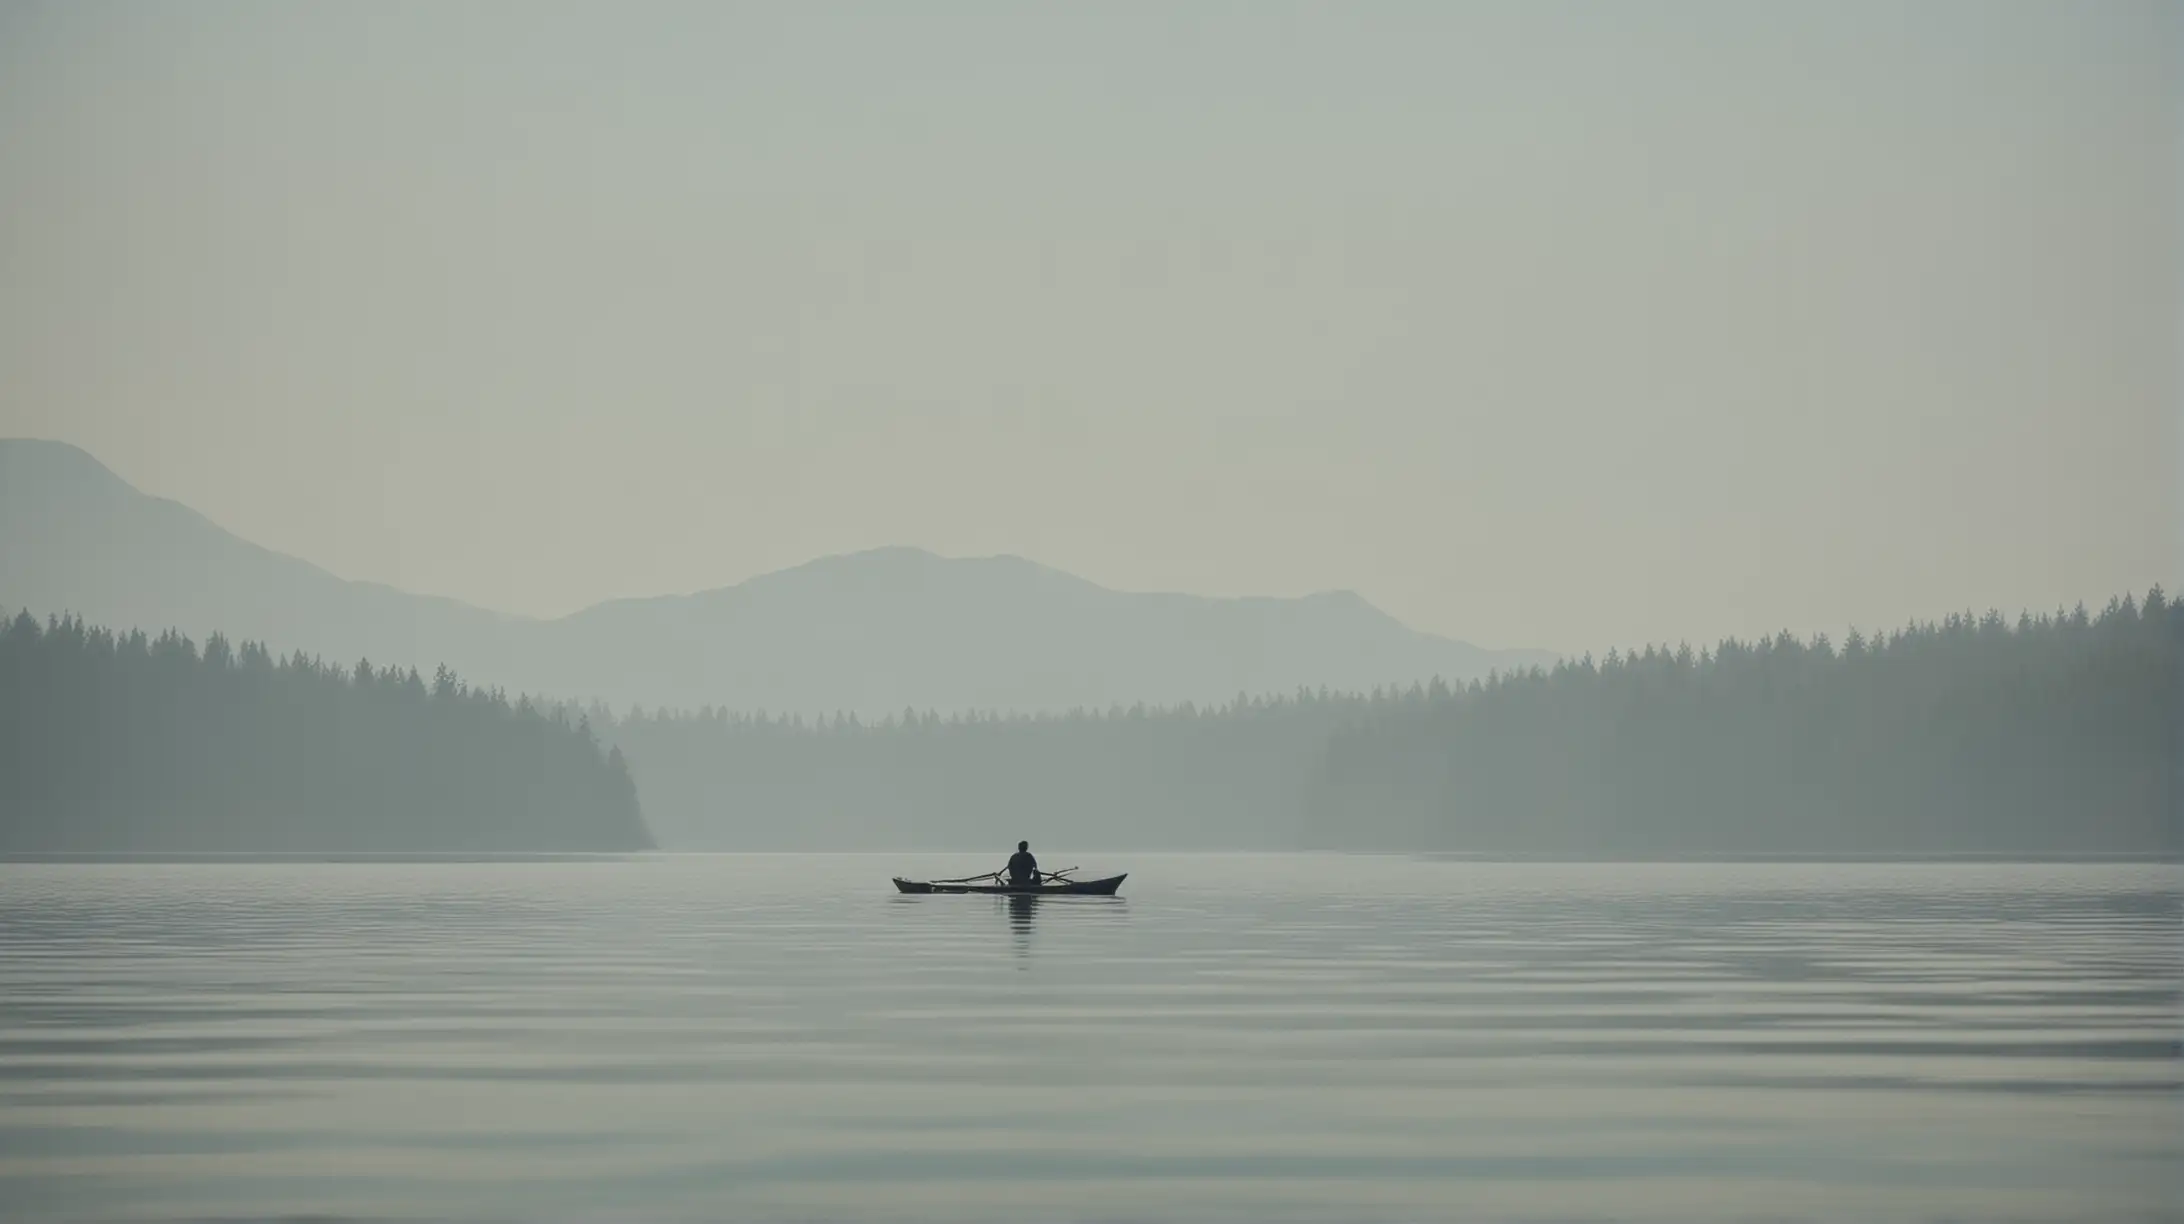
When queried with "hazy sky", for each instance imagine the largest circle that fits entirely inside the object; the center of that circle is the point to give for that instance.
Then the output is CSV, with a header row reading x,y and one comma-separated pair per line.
x,y
1537,324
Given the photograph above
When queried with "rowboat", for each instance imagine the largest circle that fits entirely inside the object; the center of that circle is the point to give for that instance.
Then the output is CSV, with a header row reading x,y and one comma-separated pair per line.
x,y
1053,884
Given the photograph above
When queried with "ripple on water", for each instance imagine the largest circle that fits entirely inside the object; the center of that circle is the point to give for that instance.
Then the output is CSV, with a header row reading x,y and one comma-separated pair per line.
x,y
1287,1037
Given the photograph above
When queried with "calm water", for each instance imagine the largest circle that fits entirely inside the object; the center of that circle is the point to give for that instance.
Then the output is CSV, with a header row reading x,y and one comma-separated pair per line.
x,y
783,1037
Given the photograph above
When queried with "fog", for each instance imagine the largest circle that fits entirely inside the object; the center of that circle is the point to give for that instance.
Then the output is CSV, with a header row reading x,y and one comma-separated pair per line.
x,y
1259,426
1222,612
1535,325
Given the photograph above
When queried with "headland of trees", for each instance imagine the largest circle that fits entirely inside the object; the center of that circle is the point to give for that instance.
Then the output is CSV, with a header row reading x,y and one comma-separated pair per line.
x,y
2044,736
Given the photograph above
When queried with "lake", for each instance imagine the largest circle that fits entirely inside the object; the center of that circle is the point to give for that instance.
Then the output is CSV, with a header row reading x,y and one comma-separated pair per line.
x,y
1251,1037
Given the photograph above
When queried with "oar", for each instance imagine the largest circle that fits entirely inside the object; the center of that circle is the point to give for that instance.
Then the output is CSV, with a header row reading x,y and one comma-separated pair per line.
x,y
1058,875
991,875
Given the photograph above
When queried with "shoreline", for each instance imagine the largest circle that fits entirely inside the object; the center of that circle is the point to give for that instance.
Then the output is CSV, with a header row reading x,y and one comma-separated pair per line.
x,y
1434,856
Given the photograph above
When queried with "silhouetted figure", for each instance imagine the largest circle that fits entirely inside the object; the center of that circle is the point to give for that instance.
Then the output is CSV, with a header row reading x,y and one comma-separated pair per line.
x,y
1023,869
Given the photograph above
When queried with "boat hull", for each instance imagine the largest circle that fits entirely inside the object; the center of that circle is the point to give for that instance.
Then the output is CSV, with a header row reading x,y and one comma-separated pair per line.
x,y
1076,888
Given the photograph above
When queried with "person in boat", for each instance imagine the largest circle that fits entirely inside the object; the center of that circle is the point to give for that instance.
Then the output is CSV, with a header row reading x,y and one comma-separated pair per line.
x,y
1023,869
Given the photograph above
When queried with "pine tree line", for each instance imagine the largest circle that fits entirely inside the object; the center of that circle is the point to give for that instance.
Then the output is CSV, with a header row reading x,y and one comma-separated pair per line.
x,y
127,742
1126,777
2055,735
2051,735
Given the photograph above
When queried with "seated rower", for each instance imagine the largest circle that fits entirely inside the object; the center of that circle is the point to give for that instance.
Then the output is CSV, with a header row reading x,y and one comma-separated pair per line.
x,y
1023,869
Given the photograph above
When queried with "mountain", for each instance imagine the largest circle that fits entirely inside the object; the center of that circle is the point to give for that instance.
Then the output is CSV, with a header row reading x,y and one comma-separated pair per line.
x,y
870,632
878,631
74,537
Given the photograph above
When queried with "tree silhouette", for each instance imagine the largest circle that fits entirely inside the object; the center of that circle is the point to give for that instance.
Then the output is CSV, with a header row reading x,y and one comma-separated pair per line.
x,y
2056,735
115,742
2051,735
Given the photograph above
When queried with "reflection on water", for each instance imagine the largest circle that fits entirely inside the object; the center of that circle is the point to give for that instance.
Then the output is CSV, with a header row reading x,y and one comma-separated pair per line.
x,y
1284,1037
1021,912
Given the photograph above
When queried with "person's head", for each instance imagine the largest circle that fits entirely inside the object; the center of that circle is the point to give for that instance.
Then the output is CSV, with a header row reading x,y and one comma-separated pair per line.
x,y
1023,845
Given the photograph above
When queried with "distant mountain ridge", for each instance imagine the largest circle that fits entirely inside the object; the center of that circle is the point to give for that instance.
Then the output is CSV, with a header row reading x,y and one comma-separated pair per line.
x,y
871,632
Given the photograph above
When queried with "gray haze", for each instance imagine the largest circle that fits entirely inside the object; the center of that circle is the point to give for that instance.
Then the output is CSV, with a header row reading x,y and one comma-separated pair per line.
x,y
1535,324
871,633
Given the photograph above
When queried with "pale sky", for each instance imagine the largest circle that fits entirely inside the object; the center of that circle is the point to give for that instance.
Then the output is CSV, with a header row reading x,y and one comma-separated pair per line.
x,y
1536,324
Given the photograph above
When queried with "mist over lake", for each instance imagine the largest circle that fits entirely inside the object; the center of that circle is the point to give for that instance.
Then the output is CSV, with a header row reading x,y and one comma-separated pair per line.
x,y
941,613
703,1037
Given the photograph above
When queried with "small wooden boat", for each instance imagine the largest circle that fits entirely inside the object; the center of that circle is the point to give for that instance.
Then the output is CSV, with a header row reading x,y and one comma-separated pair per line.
x,y
1051,884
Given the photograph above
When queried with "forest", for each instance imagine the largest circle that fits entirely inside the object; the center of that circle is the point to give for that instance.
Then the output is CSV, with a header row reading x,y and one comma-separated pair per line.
x,y
2047,736
1183,777
115,741
2052,735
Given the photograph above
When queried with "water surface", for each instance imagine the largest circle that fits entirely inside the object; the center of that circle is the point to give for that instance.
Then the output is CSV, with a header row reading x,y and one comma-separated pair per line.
x,y
1239,1038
